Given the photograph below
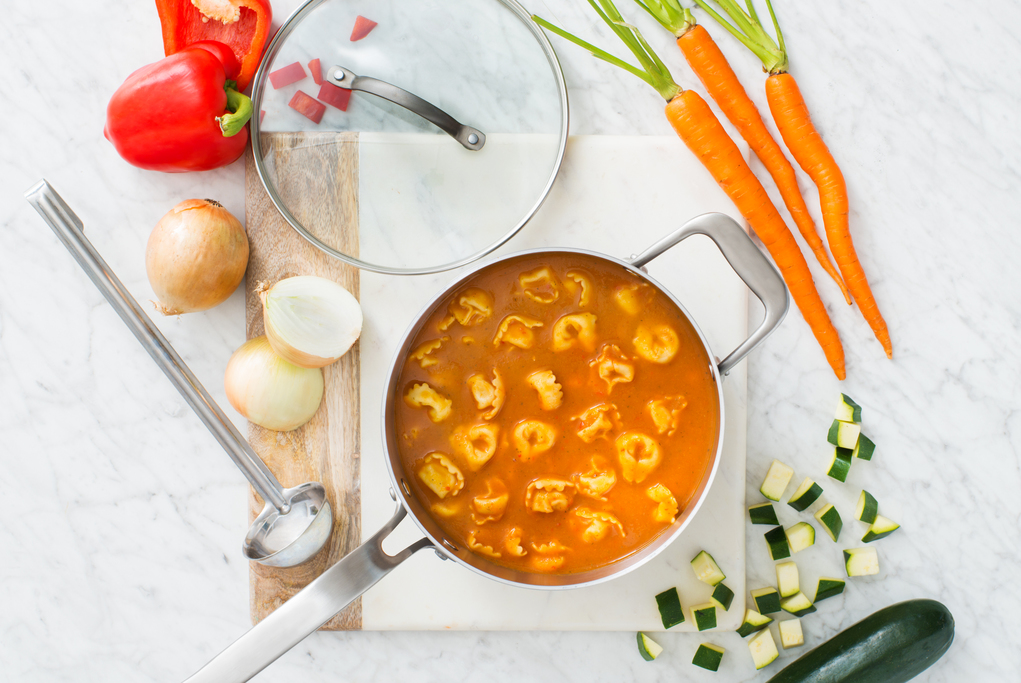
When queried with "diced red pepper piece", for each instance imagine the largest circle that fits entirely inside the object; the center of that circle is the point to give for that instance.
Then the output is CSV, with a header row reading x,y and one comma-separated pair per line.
x,y
307,106
362,28
292,73
334,96
316,69
262,115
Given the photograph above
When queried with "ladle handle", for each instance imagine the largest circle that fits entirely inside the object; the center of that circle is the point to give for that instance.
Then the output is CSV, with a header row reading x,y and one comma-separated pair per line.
x,y
310,608
748,262
470,138
69,229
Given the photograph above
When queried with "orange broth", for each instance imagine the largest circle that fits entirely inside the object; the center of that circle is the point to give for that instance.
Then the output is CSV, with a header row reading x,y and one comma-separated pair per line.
x,y
597,493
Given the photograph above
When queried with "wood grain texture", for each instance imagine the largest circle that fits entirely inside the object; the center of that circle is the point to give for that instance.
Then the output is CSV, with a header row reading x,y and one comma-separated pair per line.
x,y
317,178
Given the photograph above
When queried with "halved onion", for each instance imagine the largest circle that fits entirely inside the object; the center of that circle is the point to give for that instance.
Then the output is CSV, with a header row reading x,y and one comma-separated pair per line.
x,y
270,391
310,321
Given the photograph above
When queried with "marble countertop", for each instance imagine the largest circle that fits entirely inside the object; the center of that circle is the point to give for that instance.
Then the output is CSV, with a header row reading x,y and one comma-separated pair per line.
x,y
120,552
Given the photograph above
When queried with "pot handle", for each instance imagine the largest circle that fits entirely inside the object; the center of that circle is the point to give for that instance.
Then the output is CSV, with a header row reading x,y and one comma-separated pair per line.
x,y
310,608
748,262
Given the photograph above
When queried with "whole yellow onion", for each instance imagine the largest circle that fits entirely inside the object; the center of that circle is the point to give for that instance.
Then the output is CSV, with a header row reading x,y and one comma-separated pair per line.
x,y
196,256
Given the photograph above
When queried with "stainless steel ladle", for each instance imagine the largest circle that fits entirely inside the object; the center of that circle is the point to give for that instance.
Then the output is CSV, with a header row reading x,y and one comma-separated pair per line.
x,y
296,522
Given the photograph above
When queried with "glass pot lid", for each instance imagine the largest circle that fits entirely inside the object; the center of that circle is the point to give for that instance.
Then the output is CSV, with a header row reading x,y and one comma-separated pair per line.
x,y
429,142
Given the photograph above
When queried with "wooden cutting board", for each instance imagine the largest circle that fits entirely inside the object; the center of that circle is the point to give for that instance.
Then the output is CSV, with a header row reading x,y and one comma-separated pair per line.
x,y
328,448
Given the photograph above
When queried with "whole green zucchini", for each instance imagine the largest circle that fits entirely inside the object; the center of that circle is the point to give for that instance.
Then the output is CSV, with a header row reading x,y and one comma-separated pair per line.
x,y
892,645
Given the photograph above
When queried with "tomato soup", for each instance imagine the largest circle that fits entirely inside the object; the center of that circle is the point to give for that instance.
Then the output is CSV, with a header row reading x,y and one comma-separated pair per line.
x,y
556,413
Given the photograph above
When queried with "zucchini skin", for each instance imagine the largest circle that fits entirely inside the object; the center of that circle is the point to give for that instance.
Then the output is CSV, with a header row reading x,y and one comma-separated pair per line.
x,y
892,645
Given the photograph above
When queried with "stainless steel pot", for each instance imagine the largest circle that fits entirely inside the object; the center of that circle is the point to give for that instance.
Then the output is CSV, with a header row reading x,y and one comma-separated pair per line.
x,y
339,585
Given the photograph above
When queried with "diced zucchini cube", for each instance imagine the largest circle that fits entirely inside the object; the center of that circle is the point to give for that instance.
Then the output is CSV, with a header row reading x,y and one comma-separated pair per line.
x,y
848,410
861,561
787,579
763,649
827,588
790,633
706,569
777,541
881,528
767,600
777,478
763,514
722,596
867,508
806,494
670,610
648,648
704,616
708,657
864,448
843,434
840,464
753,621
798,604
800,536
830,520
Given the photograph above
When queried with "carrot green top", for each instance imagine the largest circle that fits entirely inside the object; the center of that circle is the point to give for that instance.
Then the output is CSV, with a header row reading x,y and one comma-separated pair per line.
x,y
653,71
748,29
674,18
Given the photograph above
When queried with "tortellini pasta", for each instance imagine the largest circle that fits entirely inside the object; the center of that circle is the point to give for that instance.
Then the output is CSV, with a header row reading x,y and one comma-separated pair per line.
x,y
580,280
549,556
596,524
489,506
666,511
613,366
639,455
470,307
551,394
656,343
666,413
633,297
512,543
516,330
446,508
598,481
597,422
540,285
478,547
488,394
423,354
532,438
575,330
424,396
475,444
549,494
440,475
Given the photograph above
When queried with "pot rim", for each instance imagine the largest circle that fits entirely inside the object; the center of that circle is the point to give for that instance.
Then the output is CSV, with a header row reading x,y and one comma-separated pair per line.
x,y
445,547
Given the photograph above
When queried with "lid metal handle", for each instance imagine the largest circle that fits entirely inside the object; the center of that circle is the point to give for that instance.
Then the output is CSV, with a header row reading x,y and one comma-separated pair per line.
x,y
471,138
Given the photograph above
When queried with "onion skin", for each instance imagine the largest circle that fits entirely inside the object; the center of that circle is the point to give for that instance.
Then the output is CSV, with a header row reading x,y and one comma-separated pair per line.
x,y
270,391
196,257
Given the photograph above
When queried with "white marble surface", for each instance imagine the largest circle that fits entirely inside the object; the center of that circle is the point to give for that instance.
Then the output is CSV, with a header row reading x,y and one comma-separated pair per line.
x,y
120,553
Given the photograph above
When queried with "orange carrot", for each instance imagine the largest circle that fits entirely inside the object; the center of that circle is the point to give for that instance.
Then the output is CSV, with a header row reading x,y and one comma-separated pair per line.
x,y
711,67
705,136
702,132
707,61
809,150
806,146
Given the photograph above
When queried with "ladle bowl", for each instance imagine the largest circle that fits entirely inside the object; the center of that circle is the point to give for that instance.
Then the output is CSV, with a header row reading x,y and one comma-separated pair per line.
x,y
285,540
296,522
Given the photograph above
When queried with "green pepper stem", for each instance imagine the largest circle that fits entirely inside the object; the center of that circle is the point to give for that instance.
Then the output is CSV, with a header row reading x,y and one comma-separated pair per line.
x,y
239,108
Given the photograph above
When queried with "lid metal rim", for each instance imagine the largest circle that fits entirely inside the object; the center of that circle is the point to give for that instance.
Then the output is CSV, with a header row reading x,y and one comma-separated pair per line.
x,y
259,88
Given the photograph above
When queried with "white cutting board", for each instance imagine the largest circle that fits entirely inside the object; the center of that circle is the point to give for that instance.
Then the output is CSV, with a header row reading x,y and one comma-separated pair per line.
x,y
616,195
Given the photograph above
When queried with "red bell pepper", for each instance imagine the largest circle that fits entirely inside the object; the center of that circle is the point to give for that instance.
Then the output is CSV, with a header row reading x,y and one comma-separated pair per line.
x,y
242,25
181,113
